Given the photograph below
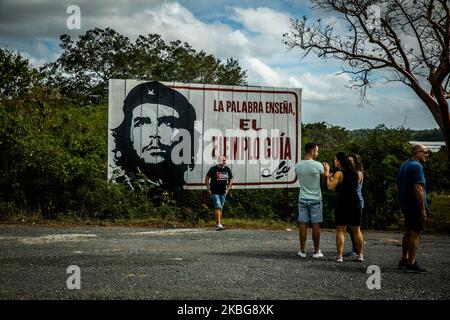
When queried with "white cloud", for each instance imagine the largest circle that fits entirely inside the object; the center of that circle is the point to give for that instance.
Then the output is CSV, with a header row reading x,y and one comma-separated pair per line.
x,y
316,87
263,20
174,22
261,74
326,97
35,62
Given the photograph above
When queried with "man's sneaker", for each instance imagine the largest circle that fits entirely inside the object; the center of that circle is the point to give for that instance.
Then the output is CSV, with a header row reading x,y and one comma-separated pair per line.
x,y
317,254
350,254
415,268
219,227
360,258
402,264
301,254
339,259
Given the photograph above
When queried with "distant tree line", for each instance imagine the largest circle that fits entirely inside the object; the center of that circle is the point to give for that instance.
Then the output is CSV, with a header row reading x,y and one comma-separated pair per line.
x,y
428,135
415,135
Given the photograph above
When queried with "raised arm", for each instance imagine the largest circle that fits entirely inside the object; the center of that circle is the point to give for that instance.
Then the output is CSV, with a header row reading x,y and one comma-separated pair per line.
x,y
334,180
326,170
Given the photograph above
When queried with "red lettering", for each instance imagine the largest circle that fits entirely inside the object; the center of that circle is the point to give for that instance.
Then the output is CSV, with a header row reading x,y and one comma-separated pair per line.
x,y
276,149
282,147
254,125
249,147
267,148
214,146
287,149
225,146
243,124
257,148
235,152
243,147
244,106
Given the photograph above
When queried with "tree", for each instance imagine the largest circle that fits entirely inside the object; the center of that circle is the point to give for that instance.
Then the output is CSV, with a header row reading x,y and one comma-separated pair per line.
x,y
82,71
17,77
408,39
85,66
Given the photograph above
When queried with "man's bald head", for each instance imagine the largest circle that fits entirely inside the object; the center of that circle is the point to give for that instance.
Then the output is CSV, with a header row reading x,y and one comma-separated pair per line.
x,y
222,161
417,149
420,153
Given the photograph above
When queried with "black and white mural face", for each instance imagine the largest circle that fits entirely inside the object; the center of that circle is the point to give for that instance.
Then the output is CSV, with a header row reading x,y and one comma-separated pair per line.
x,y
154,131
170,134
156,118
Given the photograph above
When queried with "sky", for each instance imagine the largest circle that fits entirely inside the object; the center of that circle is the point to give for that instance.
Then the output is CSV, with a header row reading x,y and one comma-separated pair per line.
x,y
248,30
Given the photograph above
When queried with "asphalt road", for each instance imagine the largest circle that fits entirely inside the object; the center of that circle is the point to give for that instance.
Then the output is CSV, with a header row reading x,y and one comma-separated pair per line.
x,y
148,263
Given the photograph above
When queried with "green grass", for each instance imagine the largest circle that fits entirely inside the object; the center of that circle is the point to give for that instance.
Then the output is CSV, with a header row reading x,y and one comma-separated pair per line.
x,y
235,223
438,222
230,223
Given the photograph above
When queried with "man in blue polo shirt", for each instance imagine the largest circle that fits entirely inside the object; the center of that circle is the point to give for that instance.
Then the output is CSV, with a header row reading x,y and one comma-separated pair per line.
x,y
412,198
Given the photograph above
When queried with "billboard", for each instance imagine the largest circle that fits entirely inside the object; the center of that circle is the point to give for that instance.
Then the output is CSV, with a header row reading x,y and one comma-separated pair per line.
x,y
169,134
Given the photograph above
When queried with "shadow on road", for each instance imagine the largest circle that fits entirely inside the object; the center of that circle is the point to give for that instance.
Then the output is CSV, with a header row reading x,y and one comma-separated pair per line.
x,y
325,264
283,255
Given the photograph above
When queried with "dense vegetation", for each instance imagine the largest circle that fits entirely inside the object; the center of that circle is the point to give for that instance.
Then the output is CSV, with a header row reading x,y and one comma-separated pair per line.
x,y
53,151
415,135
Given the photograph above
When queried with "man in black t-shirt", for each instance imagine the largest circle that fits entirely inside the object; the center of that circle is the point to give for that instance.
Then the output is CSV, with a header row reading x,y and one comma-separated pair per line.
x,y
218,180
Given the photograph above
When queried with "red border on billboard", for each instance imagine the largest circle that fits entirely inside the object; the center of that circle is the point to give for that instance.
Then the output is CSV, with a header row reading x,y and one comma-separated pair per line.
x,y
255,91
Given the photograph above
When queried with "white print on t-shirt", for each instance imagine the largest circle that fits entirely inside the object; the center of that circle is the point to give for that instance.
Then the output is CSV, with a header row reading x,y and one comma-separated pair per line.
x,y
221,176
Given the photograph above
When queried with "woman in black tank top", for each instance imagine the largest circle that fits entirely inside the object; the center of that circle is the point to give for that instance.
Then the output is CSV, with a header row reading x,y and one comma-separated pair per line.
x,y
347,209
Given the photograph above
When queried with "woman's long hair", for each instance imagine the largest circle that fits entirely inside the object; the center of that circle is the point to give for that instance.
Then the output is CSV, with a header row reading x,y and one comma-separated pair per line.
x,y
357,162
347,168
345,163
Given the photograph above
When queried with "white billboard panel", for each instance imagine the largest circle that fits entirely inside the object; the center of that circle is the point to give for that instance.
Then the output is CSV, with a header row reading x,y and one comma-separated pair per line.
x,y
170,134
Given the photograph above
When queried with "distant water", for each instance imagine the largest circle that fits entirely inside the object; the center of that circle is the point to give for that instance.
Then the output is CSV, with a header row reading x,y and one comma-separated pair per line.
x,y
434,146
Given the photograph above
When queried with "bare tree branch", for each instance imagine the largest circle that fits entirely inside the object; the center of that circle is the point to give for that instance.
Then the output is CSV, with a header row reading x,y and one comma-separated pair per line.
x,y
412,43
